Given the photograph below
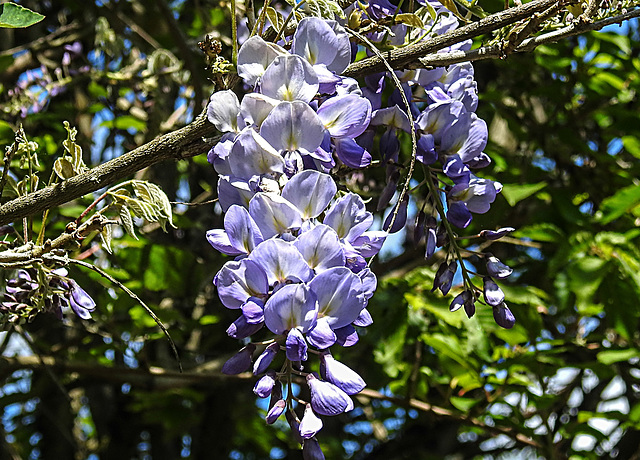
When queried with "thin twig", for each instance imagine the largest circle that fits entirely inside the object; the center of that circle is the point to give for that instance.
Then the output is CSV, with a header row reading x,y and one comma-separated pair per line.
x,y
64,260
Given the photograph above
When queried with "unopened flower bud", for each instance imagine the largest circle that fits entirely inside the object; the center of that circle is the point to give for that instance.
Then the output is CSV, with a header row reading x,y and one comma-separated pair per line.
x,y
493,295
340,375
264,386
492,235
497,269
310,423
311,450
239,362
296,345
460,300
326,398
276,411
503,316
264,360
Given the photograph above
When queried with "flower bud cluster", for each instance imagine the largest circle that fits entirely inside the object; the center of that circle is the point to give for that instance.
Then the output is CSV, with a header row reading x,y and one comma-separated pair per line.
x,y
31,291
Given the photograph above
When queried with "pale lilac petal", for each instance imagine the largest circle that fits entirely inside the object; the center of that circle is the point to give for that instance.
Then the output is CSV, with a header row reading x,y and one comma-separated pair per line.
x,y
369,243
254,57
321,336
391,117
349,217
233,190
292,306
346,336
281,262
364,319
293,126
467,137
290,78
251,155
493,295
340,296
345,116
222,111
255,107
321,248
237,281
351,153
219,239
369,282
310,191
315,41
253,310
273,214
243,233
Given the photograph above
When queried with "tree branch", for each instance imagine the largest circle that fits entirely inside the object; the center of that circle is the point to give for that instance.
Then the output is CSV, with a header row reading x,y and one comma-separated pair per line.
x,y
405,57
186,142
496,51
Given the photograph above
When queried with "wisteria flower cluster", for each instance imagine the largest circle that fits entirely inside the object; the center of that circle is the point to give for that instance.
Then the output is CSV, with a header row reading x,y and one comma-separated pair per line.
x,y
25,295
300,247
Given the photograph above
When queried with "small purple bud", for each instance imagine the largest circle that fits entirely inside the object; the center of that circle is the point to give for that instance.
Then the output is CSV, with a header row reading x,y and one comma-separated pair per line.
x,y
311,450
493,295
276,411
340,375
296,345
81,303
264,386
239,362
444,277
470,307
497,269
294,424
326,398
310,423
496,234
460,300
264,360
240,329
442,237
418,229
389,190
400,219
503,316
432,237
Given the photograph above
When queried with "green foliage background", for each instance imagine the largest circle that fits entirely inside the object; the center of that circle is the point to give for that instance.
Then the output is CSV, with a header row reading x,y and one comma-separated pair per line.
x,y
564,382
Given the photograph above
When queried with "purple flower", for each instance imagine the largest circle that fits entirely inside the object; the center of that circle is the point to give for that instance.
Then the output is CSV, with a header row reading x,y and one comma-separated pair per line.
x,y
496,234
275,411
265,359
81,303
311,450
310,423
496,268
264,386
239,362
340,375
493,295
503,316
326,398
296,346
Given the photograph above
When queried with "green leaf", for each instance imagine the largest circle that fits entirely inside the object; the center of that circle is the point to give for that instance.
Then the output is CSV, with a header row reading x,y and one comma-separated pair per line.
x,y
63,168
409,19
609,357
106,235
127,222
451,6
541,232
515,193
463,404
632,145
621,202
14,16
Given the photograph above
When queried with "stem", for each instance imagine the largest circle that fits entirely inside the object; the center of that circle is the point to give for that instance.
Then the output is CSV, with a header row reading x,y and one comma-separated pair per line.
x,y
92,205
288,18
234,34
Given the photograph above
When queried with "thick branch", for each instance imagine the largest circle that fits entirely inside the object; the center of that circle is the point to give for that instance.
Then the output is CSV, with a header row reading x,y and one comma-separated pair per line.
x,y
183,143
402,58
497,51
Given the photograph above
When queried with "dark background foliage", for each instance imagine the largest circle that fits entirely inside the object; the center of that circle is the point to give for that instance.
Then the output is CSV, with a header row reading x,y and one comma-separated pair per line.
x,y
564,137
